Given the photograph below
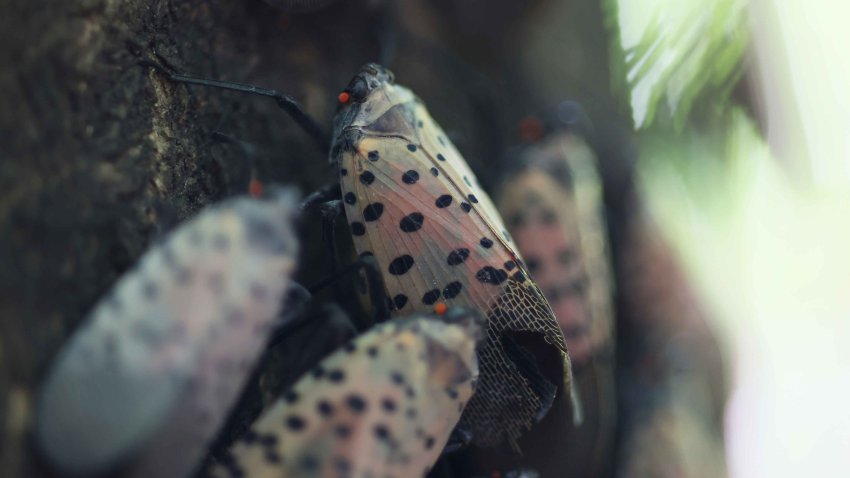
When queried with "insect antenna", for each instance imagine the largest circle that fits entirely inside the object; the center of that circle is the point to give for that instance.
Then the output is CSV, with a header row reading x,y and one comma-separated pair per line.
x,y
386,32
287,103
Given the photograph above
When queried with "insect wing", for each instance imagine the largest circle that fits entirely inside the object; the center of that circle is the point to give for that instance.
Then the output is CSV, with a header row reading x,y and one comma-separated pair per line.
x,y
384,405
155,369
413,203
554,210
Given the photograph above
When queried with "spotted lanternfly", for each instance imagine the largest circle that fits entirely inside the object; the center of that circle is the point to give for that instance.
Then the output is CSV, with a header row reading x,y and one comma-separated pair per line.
x,y
414,204
383,405
150,376
551,199
552,203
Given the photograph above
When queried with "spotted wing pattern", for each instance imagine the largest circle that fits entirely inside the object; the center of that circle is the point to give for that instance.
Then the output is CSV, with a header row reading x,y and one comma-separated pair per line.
x,y
414,204
151,375
384,405
554,210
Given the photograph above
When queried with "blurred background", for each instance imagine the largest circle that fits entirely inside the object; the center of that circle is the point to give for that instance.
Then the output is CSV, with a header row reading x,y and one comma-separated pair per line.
x,y
723,124
752,194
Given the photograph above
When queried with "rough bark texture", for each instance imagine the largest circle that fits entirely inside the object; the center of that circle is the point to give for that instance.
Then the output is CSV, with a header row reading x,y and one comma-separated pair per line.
x,y
96,151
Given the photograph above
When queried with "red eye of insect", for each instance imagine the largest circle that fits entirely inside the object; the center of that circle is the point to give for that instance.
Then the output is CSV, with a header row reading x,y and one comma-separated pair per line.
x,y
255,188
344,97
440,308
530,129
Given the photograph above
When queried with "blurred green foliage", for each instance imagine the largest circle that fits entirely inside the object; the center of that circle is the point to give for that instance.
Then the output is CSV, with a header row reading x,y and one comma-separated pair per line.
x,y
677,56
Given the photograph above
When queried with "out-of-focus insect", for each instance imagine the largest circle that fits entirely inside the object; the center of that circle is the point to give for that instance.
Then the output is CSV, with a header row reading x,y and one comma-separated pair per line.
x,y
149,378
384,405
551,199
552,202
414,206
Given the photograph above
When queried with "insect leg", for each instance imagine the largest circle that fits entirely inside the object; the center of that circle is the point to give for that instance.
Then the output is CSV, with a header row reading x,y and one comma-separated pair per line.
x,y
330,211
295,318
375,280
328,192
285,102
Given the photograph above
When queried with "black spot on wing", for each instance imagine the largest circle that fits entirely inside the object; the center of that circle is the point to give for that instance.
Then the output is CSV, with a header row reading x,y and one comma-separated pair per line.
x,y
486,243
381,432
295,423
457,256
336,376
356,403
443,201
324,408
452,290
400,301
400,265
367,178
491,275
410,177
431,296
388,405
412,222
373,211
350,198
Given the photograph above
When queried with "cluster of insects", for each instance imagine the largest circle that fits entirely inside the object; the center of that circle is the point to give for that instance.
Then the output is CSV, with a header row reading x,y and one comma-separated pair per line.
x,y
476,352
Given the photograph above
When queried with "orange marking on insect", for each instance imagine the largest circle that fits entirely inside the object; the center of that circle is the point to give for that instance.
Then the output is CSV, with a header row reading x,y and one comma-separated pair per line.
x,y
255,188
440,308
344,97
530,129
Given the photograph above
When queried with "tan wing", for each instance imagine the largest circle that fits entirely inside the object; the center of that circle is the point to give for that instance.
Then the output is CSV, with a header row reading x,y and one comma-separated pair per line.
x,y
433,140
435,243
559,224
383,406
